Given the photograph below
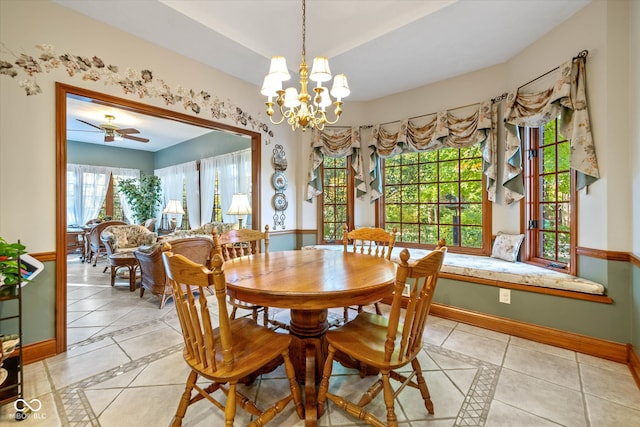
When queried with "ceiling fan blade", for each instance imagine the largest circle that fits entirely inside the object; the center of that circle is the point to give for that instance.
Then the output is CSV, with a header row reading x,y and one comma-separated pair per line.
x,y
90,124
135,138
127,131
108,138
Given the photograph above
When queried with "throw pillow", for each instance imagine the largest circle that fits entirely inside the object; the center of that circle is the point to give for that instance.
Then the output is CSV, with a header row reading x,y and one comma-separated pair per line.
x,y
506,246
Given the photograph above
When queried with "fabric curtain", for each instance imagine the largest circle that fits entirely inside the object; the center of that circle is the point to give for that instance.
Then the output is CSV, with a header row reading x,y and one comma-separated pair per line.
x,y
176,179
565,95
208,169
440,130
335,143
86,191
234,174
123,173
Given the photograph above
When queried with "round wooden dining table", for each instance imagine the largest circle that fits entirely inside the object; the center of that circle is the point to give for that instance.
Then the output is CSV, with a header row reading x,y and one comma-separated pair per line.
x,y
308,283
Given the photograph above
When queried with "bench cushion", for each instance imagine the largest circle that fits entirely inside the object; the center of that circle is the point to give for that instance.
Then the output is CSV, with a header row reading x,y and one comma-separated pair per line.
x,y
497,269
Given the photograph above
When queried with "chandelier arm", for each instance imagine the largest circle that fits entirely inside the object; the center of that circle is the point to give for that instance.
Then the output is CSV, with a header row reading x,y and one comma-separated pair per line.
x,y
310,110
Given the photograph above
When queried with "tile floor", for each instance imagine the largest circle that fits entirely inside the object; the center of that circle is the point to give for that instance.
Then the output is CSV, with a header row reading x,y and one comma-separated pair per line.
x,y
124,367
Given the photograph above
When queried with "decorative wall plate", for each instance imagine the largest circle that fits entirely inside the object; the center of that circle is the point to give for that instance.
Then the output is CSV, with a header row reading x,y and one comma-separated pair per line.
x,y
279,158
279,181
280,202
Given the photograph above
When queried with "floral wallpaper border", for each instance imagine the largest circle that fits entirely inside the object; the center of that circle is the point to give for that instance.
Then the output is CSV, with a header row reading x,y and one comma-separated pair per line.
x,y
131,81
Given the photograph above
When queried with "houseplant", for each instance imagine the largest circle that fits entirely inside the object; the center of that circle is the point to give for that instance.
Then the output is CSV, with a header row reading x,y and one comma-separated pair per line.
x,y
143,195
10,271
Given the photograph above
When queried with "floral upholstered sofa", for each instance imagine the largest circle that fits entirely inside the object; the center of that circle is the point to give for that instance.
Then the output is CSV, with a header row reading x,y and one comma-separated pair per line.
x,y
204,231
126,238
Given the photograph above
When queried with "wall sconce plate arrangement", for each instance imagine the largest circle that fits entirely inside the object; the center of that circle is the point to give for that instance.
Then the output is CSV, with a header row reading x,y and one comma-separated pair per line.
x,y
280,184
280,181
304,110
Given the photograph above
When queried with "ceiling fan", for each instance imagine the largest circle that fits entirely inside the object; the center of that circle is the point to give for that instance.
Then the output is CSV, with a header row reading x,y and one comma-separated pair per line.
x,y
111,131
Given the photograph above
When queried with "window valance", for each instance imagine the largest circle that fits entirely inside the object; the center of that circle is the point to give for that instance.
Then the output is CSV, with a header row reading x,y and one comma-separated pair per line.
x,y
565,96
335,143
444,129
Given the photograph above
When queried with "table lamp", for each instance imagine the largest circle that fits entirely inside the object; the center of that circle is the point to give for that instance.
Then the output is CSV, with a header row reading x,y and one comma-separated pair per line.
x,y
239,206
174,207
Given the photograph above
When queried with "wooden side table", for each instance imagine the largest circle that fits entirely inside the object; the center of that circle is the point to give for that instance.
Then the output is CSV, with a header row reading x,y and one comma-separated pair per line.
x,y
120,260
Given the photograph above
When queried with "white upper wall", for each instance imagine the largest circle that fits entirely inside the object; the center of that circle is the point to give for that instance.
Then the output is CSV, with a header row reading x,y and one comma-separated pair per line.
x,y
27,123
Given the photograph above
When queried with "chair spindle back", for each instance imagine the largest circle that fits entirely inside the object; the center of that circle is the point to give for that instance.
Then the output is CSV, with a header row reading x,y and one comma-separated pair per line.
x,y
237,243
423,276
193,312
369,240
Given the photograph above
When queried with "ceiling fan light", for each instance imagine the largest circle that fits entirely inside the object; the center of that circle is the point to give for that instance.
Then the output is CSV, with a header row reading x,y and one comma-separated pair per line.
x,y
340,88
278,68
320,71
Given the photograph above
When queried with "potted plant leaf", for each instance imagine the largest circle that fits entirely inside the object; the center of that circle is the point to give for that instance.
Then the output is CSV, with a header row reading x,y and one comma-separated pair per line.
x,y
10,271
143,195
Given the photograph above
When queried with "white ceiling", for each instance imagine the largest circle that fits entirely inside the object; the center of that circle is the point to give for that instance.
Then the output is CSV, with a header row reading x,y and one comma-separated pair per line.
x,y
383,46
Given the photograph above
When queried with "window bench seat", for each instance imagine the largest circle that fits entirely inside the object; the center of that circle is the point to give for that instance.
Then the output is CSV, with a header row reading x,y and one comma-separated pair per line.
x,y
493,271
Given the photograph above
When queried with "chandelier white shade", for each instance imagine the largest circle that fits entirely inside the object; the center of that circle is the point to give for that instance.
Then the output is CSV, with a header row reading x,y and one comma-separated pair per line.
x,y
301,109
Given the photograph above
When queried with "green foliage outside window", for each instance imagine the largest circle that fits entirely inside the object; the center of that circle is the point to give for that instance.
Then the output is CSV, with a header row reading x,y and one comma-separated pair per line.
x,y
434,195
335,209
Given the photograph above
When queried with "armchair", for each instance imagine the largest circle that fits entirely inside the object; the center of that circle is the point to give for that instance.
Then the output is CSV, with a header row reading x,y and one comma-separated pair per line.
x,y
96,246
153,276
120,241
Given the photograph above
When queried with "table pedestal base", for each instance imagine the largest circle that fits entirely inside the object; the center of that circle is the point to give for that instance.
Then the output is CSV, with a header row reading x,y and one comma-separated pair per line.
x,y
308,352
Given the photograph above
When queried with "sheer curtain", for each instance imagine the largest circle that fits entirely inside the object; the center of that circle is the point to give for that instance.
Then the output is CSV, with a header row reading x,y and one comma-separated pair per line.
x,y
234,172
176,179
208,169
86,190
123,173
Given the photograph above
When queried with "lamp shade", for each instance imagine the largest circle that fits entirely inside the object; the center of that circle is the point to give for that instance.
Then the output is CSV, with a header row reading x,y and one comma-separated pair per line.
x,y
320,71
239,205
291,97
340,87
271,85
174,207
278,68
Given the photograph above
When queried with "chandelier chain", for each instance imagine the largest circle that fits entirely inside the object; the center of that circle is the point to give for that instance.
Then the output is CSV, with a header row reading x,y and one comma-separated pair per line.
x,y
303,110
304,29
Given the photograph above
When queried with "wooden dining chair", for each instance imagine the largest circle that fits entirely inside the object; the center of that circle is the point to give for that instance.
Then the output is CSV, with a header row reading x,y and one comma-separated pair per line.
x,y
228,353
236,243
371,241
387,344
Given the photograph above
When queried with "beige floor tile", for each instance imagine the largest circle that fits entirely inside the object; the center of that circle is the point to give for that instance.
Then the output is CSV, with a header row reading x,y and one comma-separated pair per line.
x,y
36,380
543,348
152,342
68,371
541,398
604,413
501,415
139,351
545,366
475,345
610,385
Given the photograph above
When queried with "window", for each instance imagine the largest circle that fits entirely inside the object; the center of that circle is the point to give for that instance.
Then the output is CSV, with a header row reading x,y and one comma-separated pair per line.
x,y
112,208
336,200
549,197
438,195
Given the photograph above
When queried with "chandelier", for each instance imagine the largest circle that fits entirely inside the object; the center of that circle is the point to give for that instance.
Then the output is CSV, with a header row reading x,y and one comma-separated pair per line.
x,y
302,110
